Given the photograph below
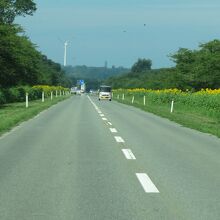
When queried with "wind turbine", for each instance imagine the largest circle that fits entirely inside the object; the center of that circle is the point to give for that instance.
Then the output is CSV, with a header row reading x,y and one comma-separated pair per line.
x,y
65,52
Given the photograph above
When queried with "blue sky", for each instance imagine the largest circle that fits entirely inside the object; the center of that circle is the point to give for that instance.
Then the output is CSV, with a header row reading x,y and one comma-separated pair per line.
x,y
95,29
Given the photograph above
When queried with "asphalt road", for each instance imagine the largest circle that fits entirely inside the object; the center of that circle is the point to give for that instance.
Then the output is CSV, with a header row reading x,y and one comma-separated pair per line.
x,y
84,159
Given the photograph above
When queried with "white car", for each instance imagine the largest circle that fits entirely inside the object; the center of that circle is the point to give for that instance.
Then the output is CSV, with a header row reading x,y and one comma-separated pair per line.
x,y
105,92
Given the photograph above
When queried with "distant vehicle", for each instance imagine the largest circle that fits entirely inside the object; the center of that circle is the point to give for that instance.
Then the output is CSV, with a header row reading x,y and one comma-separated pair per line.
x,y
105,92
73,90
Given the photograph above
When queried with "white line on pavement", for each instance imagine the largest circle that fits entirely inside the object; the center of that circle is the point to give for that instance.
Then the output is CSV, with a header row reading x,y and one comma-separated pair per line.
x,y
109,123
113,130
128,154
146,183
119,139
104,119
102,115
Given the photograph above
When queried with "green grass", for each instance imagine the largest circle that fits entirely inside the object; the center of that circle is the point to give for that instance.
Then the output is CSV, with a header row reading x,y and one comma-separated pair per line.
x,y
13,114
197,118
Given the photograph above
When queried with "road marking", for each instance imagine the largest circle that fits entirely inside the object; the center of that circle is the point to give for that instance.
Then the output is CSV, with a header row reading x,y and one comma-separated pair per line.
x,y
102,115
146,183
109,123
99,112
104,119
128,154
113,130
119,139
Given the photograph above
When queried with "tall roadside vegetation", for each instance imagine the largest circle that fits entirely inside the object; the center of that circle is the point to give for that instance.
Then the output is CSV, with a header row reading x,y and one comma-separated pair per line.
x,y
194,70
21,64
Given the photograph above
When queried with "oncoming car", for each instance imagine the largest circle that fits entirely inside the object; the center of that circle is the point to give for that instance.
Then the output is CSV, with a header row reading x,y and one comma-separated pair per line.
x,y
105,92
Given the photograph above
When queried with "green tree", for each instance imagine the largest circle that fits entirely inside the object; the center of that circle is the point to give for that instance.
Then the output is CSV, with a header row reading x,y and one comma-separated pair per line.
x,y
9,9
199,68
142,65
18,58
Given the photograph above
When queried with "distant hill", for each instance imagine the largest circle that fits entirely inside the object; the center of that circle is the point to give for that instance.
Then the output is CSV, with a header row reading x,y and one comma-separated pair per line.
x,y
93,76
94,73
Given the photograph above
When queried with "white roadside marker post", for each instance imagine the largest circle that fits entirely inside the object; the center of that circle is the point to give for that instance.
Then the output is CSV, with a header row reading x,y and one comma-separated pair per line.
x,y
113,95
144,100
51,95
42,96
132,101
171,109
26,100
60,93
118,97
123,96
56,93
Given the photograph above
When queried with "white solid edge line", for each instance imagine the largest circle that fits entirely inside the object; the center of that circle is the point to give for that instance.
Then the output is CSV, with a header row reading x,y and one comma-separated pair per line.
x,y
113,130
119,139
104,119
128,154
146,183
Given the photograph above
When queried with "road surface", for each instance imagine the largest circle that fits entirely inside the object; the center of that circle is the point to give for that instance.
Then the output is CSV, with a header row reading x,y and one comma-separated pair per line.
x,y
84,159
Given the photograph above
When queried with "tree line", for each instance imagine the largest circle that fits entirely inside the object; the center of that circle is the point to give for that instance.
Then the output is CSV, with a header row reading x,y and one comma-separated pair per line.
x,y
93,76
20,61
194,70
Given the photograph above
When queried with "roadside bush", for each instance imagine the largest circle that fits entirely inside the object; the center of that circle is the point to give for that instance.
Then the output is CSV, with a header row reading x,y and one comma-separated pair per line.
x,y
34,93
18,94
2,98
11,94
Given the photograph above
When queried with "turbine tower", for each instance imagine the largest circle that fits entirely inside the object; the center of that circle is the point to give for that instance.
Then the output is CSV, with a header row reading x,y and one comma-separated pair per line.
x,y
65,49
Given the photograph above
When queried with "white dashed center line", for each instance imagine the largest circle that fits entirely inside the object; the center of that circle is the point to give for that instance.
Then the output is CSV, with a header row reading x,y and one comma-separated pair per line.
x,y
128,154
113,130
119,139
143,178
146,183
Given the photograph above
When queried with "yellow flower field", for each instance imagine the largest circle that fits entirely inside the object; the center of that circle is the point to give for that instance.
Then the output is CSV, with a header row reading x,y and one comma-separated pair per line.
x,y
205,98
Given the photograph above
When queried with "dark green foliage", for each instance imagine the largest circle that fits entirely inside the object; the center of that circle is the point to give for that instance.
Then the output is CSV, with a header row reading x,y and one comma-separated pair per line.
x,y
199,68
18,58
50,73
2,98
195,69
22,64
9,9
17,94
142,65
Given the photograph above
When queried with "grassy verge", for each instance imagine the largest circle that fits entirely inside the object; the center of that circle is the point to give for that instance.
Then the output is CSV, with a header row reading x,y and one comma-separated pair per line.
x,y
188,116
15,113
